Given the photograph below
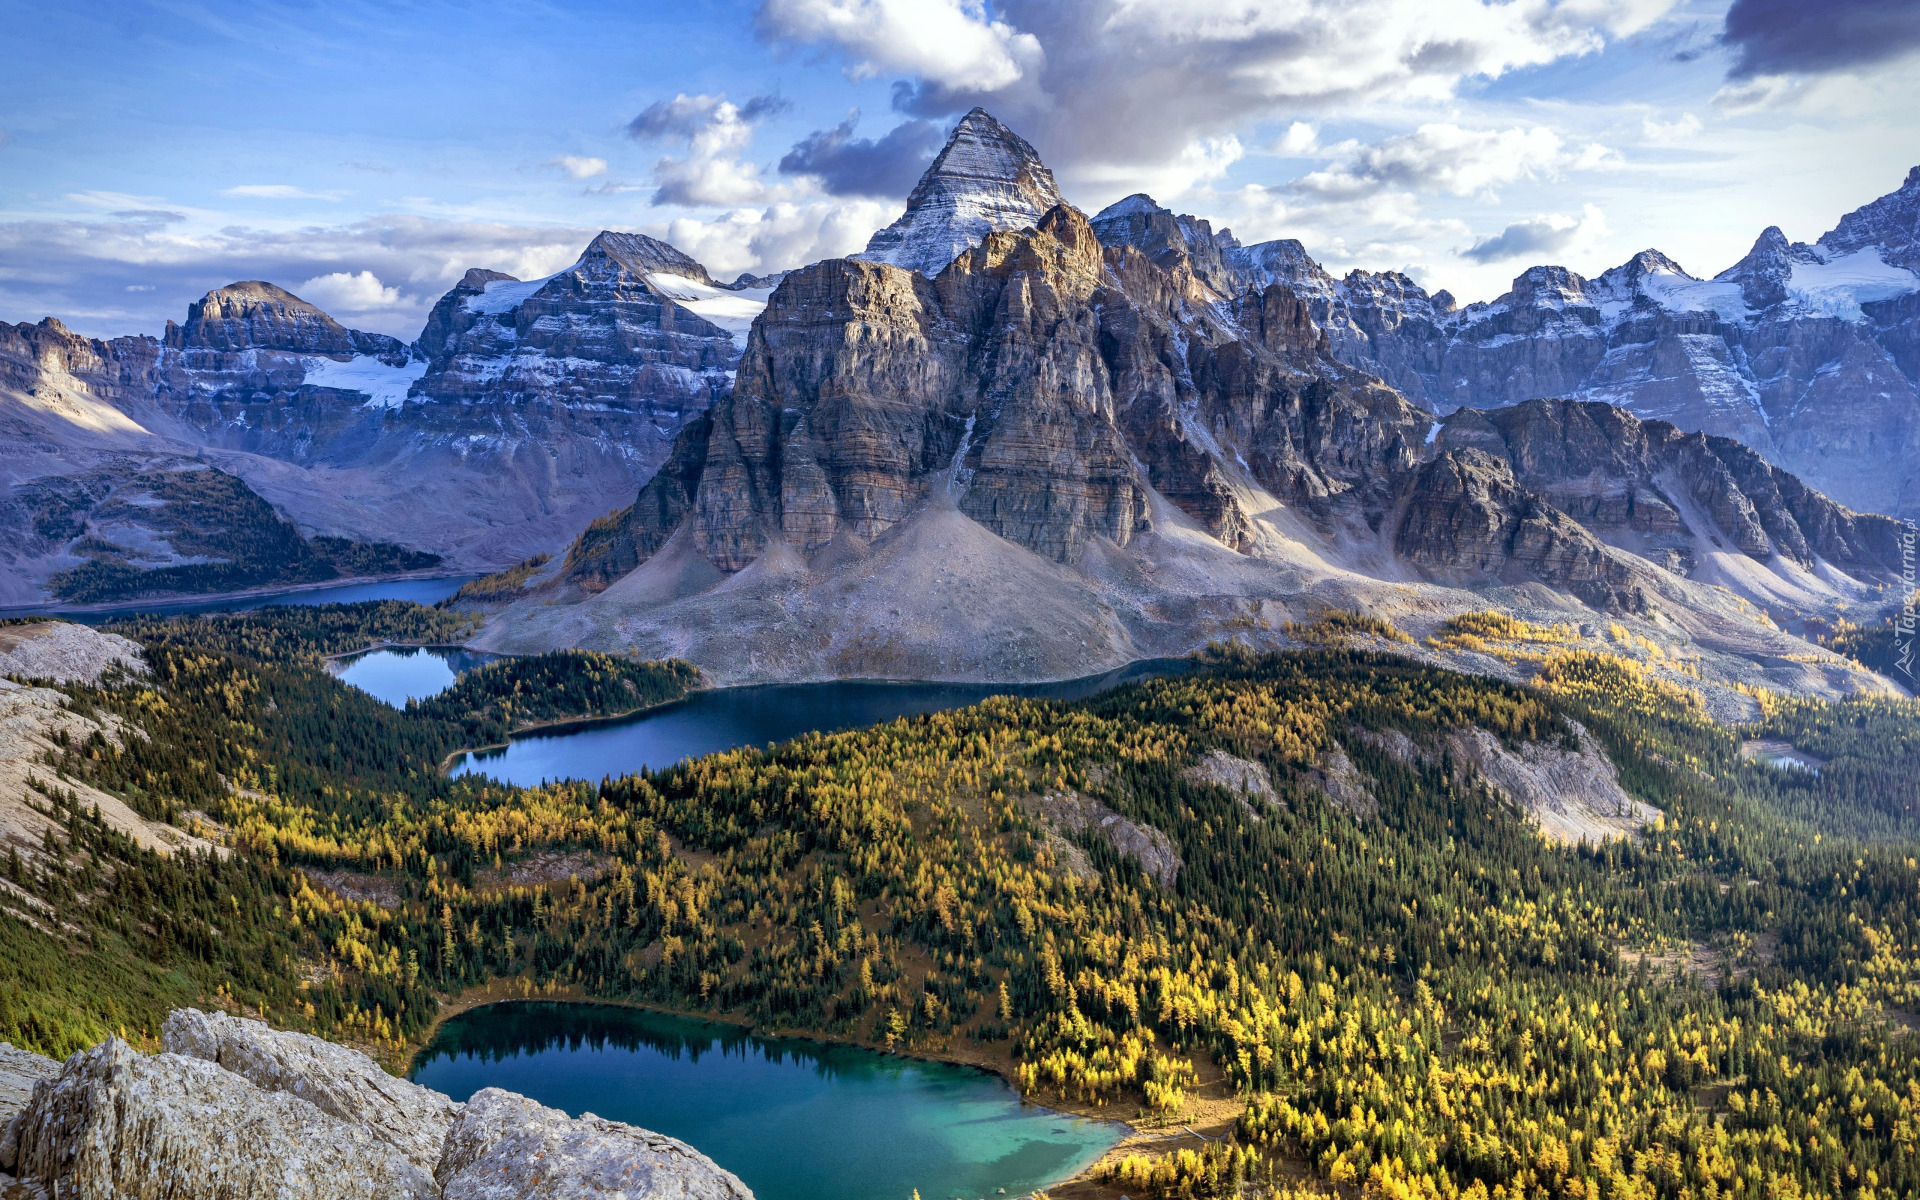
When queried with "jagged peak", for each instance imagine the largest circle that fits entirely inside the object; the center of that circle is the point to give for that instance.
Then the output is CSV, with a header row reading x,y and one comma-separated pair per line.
x,y
644,255
1547,282
477,278
1891,222
1648,262
249,293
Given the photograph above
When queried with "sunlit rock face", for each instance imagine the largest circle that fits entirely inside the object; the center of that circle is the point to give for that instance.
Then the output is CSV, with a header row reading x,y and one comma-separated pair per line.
x,y
232,1107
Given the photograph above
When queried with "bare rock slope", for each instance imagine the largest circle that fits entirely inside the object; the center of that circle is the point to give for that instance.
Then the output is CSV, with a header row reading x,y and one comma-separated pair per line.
x,y
234,1110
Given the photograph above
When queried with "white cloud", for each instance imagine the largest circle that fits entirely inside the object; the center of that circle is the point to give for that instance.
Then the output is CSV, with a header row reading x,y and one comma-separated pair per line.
x,y
275,191
1111,86
1685,129
120,272
351,292
951,43
717,132
1299,140
779,236
579,168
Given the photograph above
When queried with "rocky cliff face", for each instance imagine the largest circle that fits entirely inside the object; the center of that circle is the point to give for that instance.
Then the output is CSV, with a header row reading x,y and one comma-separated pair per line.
x,y
232,1108
1808,353
525,409
1686,501
986,179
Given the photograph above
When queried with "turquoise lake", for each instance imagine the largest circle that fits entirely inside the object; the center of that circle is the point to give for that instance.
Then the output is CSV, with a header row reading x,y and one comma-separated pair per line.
x,y
794,1119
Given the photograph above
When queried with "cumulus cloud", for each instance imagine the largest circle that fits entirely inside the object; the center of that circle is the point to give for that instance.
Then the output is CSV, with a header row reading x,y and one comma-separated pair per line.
x,y
848,166
1548,234
1779,37
1100,85
275,191
348,292
716,133
1299,139
1447,158
577,167
779,236
1667,132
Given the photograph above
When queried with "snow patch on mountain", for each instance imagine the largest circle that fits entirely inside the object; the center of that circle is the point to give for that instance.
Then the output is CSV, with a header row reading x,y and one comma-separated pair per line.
x,y
384,385
1683,293
505,295
731,309
1838,286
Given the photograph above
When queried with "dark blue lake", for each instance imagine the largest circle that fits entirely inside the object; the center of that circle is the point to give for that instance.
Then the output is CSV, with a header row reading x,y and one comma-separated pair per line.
x,y
420,591
725,718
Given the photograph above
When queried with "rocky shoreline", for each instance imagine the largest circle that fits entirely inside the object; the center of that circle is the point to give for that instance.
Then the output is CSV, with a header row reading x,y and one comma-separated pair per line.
x,y
233,1108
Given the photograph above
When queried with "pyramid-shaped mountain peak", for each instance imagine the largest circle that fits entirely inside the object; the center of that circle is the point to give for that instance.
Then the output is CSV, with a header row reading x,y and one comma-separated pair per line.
x,y
986,178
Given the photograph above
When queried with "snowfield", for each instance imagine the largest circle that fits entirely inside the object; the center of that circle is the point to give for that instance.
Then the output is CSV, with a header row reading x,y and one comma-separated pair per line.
x,y
1839,286
384,386
731,311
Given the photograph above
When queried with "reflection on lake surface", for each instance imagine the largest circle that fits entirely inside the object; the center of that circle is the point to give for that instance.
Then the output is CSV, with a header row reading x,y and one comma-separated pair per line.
x,y
711,721
420,591
795,1120
408,672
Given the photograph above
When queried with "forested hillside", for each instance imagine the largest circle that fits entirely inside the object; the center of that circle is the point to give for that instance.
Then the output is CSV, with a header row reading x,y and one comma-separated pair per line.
x,y
1400,985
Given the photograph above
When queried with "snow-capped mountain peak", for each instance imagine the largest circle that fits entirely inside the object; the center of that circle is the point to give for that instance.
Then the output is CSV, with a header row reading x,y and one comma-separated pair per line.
x,y
987,178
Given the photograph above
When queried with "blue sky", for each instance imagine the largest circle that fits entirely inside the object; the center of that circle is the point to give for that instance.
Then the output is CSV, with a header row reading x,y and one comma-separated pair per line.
x,y
366,155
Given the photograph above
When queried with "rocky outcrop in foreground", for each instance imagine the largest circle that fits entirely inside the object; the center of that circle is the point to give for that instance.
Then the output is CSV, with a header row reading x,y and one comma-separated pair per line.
x,y
234,1110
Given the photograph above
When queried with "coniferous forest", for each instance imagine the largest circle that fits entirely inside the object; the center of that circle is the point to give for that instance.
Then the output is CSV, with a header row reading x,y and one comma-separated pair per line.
x,y
1415,995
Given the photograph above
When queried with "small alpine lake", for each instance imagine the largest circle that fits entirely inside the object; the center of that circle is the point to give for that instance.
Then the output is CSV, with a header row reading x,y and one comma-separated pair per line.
x,y
397,674
794,1119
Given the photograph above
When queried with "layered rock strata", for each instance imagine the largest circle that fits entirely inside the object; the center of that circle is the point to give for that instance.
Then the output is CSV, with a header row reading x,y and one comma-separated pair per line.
x,y
1088,441
1037,384
1669,496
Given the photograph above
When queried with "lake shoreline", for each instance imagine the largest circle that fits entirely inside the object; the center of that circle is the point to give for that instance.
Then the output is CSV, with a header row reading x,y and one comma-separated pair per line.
x,y
130,607
1085,1184
564,725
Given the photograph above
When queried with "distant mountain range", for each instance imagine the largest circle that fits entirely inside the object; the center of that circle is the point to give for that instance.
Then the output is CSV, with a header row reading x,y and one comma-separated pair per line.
x,y
1011,441
1810,354
524,410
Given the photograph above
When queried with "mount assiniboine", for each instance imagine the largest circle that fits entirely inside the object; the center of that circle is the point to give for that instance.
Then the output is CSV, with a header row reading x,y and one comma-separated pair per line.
x,y
1079,442
1011,442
